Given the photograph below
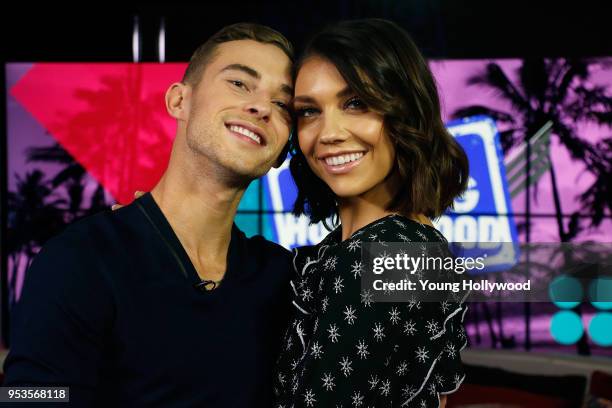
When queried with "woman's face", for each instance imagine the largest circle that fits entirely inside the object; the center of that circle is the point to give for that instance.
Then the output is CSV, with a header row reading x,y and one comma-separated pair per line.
x,y
342,140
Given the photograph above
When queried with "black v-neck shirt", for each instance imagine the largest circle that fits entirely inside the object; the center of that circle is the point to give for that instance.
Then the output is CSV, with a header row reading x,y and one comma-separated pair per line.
x,y
109,309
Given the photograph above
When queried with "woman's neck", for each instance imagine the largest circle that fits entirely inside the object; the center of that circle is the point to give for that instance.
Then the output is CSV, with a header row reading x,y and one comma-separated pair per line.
x,y
356,212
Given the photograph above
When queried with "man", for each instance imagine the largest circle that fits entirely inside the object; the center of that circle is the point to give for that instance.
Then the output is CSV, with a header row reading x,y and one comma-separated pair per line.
x,y
165,302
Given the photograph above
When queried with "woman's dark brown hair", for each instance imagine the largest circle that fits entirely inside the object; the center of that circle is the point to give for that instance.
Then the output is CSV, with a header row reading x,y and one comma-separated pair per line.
x,y
382,65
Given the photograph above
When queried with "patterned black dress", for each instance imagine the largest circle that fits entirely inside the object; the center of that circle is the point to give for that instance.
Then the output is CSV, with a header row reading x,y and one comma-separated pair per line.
x,y
341,349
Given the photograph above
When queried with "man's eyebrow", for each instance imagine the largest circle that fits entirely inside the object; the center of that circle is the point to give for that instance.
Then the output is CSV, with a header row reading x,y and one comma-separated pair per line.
x,y
286,89
244,68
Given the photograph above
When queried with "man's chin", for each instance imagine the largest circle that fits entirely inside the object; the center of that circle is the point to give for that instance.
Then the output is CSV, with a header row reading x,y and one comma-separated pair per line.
x,y
250,171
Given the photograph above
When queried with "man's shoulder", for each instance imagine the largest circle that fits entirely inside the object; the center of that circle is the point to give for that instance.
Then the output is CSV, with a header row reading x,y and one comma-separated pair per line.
x,y
92,233
258,243
115,225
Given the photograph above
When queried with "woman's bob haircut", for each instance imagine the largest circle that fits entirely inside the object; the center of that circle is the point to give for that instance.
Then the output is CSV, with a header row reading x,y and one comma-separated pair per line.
x,y
382,65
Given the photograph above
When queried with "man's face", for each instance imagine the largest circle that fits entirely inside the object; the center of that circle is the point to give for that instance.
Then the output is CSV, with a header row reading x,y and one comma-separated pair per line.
x,y
238,114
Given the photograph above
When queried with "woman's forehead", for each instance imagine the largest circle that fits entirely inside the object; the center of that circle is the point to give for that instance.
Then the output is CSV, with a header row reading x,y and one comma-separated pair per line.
x,y
318,77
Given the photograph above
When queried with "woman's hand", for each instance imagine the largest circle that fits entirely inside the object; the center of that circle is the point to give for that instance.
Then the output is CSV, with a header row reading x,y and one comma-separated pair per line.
x,y
137,194
442,401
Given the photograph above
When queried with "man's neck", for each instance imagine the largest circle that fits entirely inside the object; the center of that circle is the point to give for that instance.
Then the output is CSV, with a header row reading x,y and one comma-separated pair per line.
x,y
201,211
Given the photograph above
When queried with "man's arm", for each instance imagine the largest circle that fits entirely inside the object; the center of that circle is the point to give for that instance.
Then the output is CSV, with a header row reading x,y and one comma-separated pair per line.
x,y
61,324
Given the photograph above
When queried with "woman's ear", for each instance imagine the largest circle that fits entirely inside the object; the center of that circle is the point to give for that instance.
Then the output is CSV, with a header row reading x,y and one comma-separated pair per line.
x,y
177,100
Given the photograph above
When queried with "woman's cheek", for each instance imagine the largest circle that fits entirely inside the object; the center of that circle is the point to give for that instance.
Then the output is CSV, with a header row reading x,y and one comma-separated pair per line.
x,y
369,128
306,139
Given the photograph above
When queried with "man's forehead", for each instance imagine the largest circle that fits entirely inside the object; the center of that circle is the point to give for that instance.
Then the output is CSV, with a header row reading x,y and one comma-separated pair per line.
x,y
264,58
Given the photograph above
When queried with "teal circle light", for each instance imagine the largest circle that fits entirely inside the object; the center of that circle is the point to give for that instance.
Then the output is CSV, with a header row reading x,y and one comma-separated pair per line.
x,y
566,327
565,292
600,329
600,293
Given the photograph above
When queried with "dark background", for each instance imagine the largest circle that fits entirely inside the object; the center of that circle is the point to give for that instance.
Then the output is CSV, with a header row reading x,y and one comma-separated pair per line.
x,y
101,31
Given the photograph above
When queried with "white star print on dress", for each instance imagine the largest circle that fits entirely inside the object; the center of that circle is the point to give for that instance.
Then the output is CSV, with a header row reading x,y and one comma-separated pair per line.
x,y
346,365
328,382
330,263
402,368
378,331
309,398
306,294
409,327
357,399
324,304
354,245
333,333
373,381
432,327
395,315
357,269
385,387
362,349
342,349
316,349
338,285
349,314
366,297
403,237
422,354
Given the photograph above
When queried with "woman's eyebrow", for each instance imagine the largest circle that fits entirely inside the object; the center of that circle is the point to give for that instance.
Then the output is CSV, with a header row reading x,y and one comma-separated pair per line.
x,y
344,92
303,99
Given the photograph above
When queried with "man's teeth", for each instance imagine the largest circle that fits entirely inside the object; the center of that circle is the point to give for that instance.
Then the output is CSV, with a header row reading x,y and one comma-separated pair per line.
x,y
346,158
246,132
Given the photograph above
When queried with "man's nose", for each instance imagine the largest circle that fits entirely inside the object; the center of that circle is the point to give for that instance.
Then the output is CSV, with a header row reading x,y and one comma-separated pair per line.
x,y
259,109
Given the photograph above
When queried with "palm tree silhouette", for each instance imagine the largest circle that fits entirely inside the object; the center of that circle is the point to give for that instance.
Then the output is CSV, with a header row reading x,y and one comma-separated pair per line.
x,y
114,113
34,216
72,177
40,208
557,90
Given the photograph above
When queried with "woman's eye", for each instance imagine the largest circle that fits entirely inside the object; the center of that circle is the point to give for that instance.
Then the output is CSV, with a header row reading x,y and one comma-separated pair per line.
x,y
355,103
305,112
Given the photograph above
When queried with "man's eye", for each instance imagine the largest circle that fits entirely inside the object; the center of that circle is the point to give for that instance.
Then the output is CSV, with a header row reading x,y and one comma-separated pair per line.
x,y
305,112
238,84
282,105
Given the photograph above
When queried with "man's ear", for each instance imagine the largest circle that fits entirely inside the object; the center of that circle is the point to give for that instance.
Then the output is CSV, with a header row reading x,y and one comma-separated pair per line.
x,y
282,156
177,100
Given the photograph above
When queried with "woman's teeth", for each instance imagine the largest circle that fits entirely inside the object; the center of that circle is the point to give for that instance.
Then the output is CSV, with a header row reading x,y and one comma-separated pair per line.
x,y
345,158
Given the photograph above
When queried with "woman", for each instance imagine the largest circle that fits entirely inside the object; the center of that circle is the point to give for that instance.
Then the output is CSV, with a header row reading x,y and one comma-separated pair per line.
x,y
372,150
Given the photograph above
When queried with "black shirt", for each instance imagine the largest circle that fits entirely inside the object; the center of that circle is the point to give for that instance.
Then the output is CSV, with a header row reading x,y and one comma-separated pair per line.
x,y
109,309
341,347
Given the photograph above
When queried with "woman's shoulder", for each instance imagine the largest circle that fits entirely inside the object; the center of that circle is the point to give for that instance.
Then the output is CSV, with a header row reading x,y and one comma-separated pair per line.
x,y
398,228
306,254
